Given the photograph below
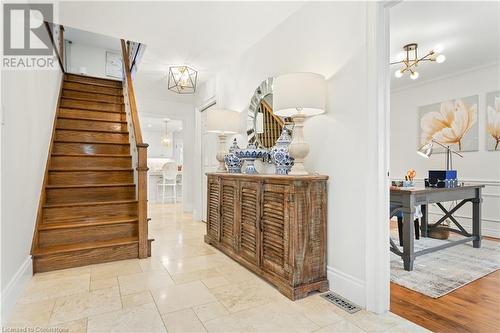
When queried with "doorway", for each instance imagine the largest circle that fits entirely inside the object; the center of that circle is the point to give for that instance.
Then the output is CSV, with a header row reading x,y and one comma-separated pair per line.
x,y
208,151
165,137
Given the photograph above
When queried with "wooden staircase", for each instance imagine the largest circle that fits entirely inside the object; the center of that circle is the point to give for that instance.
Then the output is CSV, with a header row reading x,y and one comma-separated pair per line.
x,y
89,209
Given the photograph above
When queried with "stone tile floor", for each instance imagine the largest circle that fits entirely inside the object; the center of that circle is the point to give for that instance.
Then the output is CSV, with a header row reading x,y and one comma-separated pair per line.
x,y
186,286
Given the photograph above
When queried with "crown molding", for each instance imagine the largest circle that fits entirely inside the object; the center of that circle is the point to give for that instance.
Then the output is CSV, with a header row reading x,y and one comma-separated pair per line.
x,y
448,76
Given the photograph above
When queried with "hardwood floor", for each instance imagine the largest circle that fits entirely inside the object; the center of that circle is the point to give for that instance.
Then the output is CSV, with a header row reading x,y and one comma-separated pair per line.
x,y
472,308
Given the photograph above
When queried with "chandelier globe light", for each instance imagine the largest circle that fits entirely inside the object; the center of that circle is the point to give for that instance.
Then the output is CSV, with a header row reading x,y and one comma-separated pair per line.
x,y
410,60
182,79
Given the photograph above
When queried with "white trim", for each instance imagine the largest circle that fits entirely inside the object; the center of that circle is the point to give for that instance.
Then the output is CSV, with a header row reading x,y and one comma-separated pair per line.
x,y
14,289
447,76
377,259
346,286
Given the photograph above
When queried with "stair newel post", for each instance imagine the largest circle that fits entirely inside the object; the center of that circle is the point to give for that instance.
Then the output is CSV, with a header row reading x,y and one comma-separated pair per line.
x,y
142,198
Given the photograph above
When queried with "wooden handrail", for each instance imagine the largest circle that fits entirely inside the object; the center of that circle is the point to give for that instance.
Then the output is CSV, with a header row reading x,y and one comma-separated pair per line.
x,y
142,158
51,35
130,90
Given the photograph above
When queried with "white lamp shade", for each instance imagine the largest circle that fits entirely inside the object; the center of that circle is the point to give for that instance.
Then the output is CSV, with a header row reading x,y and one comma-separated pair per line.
x,y
223,121
299,93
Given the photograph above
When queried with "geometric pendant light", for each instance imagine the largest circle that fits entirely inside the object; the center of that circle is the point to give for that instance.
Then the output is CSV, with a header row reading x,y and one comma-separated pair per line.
x,y
182,79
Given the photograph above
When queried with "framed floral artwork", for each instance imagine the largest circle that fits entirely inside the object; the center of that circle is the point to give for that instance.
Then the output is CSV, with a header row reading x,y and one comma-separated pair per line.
x,y
451,123
493,121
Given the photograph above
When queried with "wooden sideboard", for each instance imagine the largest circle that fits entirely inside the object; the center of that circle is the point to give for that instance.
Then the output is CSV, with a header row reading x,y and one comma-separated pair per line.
x,y
273,225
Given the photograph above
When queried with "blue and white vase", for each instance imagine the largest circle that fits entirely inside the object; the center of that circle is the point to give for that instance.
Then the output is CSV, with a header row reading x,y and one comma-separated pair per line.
x,y
249,155
233,162
280,155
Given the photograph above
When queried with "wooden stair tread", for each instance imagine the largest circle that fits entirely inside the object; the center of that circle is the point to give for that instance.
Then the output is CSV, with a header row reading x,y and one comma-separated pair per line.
x,y
84,87
97,81
92,119
84,99
91,92
89,169
84,246
94,141
89,203
90,130
90,110
92,155
90,185
90,100
68,224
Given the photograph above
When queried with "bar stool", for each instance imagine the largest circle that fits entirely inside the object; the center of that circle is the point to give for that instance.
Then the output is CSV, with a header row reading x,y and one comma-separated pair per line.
x,y
168,179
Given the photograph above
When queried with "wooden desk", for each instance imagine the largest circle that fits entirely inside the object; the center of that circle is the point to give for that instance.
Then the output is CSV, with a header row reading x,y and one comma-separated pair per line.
x,y
408,198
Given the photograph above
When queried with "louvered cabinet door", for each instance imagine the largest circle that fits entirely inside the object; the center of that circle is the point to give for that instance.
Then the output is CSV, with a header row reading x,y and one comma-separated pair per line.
x,y
228,209
213,209
249,213
274,225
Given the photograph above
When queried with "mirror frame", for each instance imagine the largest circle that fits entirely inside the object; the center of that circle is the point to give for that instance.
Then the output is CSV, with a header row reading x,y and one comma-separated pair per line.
x,y
265,88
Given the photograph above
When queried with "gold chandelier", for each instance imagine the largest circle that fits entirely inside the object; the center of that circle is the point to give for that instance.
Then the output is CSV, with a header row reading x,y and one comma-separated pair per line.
x,y
182,79
410,60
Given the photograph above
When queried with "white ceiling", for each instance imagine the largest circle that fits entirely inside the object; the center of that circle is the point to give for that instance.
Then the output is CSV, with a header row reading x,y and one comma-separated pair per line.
x,y
204,35
469,32
90,38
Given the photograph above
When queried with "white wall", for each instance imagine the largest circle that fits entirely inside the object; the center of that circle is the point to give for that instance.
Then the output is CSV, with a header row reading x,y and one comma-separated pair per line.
x,y
29,100
329,38
481,166
91,57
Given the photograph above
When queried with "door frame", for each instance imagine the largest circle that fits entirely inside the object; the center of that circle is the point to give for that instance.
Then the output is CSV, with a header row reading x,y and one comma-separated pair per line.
x,y
377,255
198,164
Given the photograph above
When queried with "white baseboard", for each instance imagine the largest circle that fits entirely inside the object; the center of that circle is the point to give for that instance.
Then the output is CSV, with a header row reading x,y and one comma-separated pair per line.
x,y
14,289
347,286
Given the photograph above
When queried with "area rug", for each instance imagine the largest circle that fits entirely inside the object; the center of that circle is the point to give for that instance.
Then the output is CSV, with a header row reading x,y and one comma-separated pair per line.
x,y
438,273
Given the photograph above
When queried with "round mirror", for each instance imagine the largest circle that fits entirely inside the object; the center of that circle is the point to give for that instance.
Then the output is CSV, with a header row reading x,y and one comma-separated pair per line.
x,y
263,126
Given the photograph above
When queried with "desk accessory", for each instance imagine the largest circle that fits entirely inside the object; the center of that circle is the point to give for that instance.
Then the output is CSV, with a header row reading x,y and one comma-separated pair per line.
x,y
440,178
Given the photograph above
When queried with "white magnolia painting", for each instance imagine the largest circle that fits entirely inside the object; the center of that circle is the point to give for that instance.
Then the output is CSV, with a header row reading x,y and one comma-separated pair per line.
x,y
493,121
452,123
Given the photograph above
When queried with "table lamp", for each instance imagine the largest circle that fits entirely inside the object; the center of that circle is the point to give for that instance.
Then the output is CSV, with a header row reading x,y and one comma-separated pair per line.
x,y
299,95
222,122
